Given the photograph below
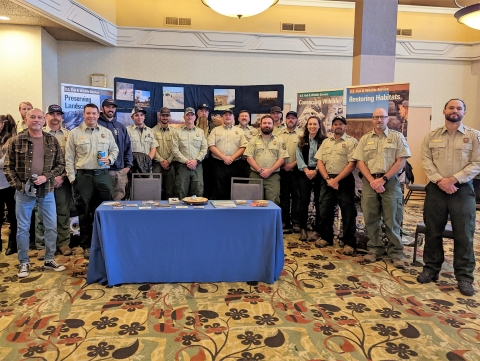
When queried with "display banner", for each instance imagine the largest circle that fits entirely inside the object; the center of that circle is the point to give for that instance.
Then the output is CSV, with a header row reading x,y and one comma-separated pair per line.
x,y
75,97
325,104
361,102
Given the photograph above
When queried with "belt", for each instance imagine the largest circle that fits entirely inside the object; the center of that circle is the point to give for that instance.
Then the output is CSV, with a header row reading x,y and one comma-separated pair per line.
x,y
332,175
93,171
378,175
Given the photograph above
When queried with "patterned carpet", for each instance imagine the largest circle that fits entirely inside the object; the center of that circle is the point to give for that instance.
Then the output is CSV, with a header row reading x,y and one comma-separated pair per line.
x,y
325,306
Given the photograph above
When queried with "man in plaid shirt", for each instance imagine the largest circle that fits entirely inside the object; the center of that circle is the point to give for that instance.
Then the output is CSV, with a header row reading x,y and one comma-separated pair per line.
x,y
38,154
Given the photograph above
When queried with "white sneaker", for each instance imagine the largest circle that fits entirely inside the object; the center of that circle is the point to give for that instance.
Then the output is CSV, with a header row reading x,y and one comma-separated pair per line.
x,y
54,266
24,270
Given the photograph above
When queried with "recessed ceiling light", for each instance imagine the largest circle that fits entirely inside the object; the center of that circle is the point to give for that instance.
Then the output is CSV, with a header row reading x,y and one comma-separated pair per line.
x,y
4,18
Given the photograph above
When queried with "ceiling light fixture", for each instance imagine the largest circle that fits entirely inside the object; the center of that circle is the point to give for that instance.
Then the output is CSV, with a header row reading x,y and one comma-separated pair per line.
x,y
468,15
239,8
4,18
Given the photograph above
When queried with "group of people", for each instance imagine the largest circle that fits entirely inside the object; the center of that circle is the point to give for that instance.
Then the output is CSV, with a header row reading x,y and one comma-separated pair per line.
x,y
43,165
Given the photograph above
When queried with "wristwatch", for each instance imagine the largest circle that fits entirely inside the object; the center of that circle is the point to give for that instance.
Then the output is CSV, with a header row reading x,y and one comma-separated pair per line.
x,y
385,179
328,177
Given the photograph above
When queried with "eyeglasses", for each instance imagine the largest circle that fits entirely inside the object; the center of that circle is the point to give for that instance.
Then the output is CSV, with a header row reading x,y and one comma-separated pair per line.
x,y
383,117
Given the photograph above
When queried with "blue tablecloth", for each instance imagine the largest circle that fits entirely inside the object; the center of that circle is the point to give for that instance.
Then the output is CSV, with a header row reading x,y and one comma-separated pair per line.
x,y
133,245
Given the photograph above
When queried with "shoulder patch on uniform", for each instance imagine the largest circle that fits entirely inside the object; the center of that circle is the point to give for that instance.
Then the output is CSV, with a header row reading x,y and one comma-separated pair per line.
x,y
404,141
284,146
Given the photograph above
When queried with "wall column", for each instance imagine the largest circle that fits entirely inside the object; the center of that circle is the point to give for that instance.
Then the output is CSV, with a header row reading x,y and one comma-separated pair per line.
x,y
375,38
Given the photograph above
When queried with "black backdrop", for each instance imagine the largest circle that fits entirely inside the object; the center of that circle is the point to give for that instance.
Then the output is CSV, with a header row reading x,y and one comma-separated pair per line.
x,y
246,97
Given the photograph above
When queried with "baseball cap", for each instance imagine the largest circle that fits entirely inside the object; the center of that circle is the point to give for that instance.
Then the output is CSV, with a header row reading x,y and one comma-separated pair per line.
x,y
189,110
291,112
203,106
275,110
54,108
109,102
165,110
227,111
138,109
339,117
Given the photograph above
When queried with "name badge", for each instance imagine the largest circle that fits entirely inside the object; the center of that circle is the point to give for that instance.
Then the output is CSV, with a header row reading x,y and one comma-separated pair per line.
x,y
437,140
371,142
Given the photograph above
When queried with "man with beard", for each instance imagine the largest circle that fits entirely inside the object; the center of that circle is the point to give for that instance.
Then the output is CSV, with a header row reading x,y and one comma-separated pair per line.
x,y
381,154
266,152
451,159
249,131
23,108
227,144
277,115
189,147
289,176
207,167
62,190
118,170
163,162
335,165
143,141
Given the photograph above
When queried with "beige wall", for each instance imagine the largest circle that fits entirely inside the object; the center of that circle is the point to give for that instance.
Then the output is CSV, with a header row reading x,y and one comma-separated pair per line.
x,y
20,67
105,8
50,85
319,21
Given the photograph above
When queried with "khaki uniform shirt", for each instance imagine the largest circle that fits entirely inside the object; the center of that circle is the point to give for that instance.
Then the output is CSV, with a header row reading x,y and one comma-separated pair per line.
x,y
379,152
189,144
83,145
142,141
227,140
457,155
291,142
278,129
61,135
164,139
266,153
249,131
337,153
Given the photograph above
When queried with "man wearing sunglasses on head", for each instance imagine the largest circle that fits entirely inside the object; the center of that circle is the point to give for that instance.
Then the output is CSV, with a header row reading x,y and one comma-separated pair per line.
x,y
380,155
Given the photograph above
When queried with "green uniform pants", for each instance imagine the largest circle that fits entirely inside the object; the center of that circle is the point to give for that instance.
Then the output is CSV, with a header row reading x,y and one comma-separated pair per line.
x,y
168,179
271,186
188,182
63,203
389,207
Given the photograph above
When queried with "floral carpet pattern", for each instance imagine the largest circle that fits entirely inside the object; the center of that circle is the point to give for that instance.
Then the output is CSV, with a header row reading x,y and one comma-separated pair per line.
x,y
325,306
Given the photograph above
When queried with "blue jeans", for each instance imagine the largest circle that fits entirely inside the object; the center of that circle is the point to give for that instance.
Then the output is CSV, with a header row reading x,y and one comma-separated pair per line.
x,y
23,211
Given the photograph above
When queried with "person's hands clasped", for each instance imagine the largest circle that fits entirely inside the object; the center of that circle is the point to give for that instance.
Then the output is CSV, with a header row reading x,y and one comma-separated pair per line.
x,y
448,185
378,185
310,173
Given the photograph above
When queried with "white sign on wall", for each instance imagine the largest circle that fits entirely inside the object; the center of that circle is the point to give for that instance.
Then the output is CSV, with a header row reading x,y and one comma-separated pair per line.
x,y
75,97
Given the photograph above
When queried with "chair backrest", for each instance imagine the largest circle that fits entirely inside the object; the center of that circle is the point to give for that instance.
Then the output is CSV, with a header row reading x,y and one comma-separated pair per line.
x,y
246,188
146,186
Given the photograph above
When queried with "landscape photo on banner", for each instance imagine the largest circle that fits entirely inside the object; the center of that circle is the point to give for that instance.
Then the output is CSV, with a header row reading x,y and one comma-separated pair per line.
x,y
75,97
324,104
361,102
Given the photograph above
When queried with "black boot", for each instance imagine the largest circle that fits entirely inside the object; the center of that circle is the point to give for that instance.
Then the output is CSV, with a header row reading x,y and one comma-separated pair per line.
x,y
11,247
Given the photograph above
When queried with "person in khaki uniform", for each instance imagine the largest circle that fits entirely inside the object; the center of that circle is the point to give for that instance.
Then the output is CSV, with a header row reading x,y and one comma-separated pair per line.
x,y
227,144
62,190
163,161
289,178
451,159
250,132
277,115
92,183
380,155
335,165
142,137
266,153
189,147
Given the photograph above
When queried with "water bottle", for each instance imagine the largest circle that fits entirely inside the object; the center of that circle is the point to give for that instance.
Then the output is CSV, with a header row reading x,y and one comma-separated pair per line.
x,y
33,178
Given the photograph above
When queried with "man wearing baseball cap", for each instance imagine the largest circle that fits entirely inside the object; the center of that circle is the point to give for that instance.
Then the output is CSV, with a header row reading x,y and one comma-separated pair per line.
x,y
62,190
189,148
277,115
118,170
290,175
142,139
163,161
335,164
227,144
